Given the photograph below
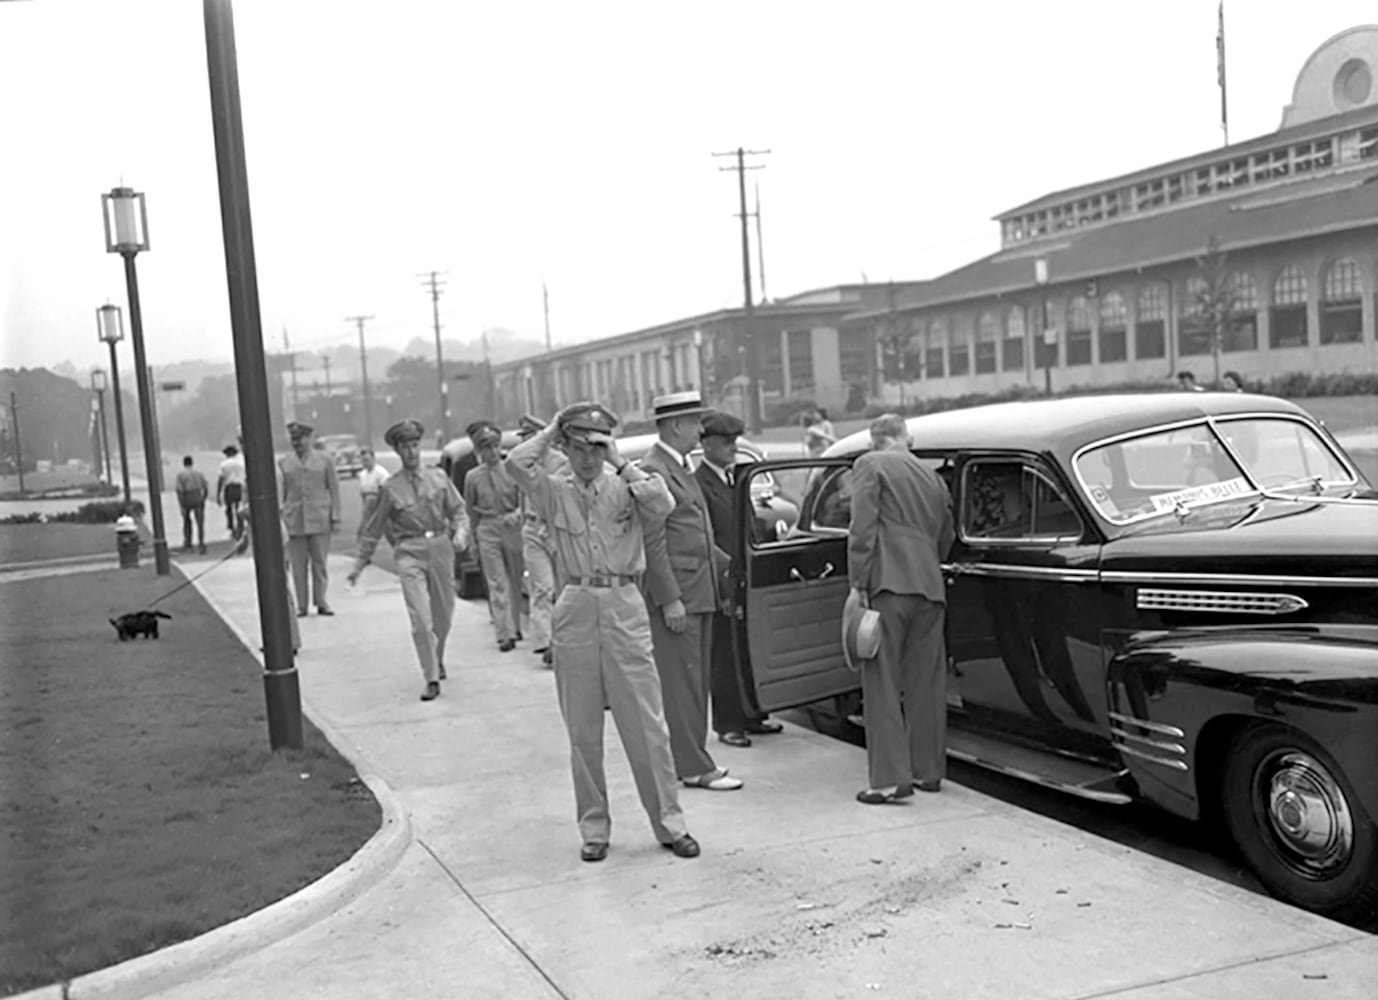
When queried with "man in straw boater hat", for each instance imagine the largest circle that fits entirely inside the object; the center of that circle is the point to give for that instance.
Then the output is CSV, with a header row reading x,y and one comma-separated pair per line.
x,y
494,507
310,500
421,514
598,510
538,553
900,531
682,570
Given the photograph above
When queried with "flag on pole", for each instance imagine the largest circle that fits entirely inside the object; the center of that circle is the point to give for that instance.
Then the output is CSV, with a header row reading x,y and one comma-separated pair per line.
x,y
1220,71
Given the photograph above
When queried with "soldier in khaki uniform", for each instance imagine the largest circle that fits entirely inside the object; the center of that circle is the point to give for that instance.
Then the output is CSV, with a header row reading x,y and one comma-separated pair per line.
x,y
310,501
601,629
494,508
538,551
420,513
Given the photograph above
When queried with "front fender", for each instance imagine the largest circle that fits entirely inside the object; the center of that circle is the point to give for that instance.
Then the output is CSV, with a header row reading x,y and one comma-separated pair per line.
x,y
1177,697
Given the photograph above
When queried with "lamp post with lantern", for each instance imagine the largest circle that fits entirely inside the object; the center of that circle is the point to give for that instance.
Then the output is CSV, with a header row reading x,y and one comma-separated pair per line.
x,y
126,233
110,328
98,387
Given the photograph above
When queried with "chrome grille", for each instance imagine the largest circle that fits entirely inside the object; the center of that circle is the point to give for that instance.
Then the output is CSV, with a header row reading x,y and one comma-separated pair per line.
x,y
1218,601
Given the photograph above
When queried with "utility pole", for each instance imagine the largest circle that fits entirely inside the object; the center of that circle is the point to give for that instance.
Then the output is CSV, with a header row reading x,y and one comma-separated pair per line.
x,y
753,360
325,360
363,365
545,305
18,448
432,278
292,363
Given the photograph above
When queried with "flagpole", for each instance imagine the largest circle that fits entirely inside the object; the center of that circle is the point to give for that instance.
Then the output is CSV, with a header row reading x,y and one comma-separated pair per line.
x,y
1220,72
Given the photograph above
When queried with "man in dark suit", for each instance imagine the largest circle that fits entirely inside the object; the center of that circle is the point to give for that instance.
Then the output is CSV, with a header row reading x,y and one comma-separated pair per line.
x,y
733,718
900,531
682,592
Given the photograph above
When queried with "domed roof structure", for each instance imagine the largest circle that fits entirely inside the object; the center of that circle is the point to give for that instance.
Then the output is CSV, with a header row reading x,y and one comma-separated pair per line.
x,y
1339,76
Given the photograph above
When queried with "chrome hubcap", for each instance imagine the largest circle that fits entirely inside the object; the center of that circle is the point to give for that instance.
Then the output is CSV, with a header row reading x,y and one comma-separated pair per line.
x,y
1307,812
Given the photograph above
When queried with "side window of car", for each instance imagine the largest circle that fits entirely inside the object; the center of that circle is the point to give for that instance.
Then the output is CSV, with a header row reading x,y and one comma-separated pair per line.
x,y
1007,499
832,510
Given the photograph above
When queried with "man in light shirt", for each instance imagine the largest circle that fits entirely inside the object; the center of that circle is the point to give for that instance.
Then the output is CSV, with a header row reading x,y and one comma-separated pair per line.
x,y
229,489
371,481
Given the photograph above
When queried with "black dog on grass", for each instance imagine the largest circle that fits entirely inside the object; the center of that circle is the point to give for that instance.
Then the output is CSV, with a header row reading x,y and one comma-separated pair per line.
x,y
138,623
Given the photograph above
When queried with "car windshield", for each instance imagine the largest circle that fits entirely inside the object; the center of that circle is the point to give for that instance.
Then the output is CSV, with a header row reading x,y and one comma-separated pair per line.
x,y
1164,471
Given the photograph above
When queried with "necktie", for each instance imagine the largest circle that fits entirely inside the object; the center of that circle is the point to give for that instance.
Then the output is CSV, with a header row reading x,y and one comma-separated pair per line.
x,y
687,467
731,477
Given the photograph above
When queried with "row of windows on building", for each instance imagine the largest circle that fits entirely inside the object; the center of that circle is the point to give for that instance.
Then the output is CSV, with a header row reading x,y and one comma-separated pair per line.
x,y
1226,175
627,382
942,347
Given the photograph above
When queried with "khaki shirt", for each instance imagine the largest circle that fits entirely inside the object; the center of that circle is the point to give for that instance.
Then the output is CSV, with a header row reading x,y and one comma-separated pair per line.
x,y
310,493
597,529
490,493
409,505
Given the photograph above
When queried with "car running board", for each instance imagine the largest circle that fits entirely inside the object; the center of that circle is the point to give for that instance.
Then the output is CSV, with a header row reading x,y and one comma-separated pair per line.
x,y
1075,777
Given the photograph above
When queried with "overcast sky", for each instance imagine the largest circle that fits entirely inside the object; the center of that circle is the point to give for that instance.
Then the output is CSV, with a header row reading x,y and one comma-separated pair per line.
x,y
510,142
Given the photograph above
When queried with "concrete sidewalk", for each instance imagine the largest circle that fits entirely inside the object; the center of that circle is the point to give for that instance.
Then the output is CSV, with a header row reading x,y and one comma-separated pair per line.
x,y
800,892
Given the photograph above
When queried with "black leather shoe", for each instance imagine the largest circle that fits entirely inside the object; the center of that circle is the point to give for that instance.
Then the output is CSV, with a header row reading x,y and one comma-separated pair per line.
x,y
930,786
548,657
734,739
302,614
432,691
443,675
506,646
594,851
684,847
519,637
324,611
764,727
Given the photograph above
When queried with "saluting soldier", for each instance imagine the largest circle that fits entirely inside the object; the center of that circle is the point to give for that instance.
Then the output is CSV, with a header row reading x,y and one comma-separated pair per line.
x,y
420,513
597,510
310,501
538,553
494,508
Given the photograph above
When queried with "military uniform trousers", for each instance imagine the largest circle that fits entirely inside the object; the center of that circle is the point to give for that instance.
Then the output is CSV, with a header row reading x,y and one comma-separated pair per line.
x,y
426,567
905,693
500,558
682,661
603,658
540,580
307,554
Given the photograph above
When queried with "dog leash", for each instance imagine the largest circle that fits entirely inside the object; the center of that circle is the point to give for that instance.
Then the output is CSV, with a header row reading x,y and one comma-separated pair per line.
x,y
239,547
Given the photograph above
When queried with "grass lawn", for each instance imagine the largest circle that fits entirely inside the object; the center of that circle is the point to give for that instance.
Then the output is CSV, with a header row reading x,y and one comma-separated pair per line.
x,y
141,803
29,542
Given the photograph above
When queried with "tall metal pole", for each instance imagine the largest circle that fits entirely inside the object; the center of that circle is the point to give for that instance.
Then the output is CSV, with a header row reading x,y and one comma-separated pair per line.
x,y
162,564
119,421
18,447
363,366
105,439
157,431
280,682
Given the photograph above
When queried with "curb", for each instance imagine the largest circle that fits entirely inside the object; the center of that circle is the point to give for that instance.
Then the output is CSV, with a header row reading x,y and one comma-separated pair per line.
x,y
185,961
16,567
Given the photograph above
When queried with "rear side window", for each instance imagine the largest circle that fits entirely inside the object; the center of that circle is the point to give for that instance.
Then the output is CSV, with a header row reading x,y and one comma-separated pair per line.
x,y
1007,499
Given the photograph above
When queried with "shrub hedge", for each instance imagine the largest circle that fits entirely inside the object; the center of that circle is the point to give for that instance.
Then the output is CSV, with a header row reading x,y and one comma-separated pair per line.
x,y
96,512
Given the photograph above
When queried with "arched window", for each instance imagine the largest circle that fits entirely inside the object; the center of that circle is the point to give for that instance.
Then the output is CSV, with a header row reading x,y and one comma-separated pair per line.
x,y
959,346
1012,351
933,354
1193,331
1342,311
1078,331
987,343
1287,317
1150,326
1241,333
1114,321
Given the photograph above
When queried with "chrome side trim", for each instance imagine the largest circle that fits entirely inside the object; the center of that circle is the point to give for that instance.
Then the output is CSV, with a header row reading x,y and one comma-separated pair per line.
x,y
1060,574
1150,599
1172,762
1095,795
1153,727
1176,748
1238,579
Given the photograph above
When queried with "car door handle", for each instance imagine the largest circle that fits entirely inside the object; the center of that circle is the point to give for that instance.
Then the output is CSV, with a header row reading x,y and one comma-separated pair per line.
x,y
794,574
827,571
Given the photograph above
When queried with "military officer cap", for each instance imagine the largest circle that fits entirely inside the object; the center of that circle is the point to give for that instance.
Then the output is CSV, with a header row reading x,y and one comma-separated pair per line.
x,y
485,434
403,431
716,423
582,419
297,430
529,425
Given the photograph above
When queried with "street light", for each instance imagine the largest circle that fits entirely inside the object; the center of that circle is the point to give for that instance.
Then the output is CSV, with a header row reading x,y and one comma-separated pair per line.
x,y
126,233
110,328
98,386
1049,334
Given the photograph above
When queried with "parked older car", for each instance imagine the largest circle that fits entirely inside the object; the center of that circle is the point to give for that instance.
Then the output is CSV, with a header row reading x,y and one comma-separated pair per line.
x,y
343,450
1159,598
457,458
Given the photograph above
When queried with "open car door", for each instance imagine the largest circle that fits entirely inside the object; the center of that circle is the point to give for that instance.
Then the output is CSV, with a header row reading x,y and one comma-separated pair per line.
x,y
788,593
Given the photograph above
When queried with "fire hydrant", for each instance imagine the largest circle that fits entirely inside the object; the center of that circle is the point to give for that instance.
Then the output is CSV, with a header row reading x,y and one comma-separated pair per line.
x,y
127,541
